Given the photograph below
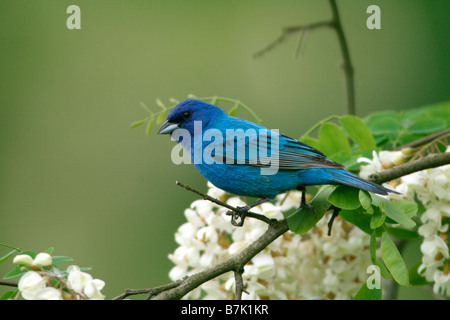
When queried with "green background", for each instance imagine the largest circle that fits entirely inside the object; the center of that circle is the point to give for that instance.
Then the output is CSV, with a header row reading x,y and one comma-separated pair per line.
x,y
73,175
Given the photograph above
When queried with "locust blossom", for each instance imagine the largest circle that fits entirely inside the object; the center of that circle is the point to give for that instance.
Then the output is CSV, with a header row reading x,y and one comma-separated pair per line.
x,y
43,281
430,187
313,265
84,284
33,286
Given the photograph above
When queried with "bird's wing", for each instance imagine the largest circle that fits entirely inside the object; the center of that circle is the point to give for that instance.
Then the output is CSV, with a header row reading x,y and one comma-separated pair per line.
x,y
265,148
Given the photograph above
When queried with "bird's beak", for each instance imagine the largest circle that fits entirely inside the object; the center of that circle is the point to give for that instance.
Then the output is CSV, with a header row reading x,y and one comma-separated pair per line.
x,y
168,127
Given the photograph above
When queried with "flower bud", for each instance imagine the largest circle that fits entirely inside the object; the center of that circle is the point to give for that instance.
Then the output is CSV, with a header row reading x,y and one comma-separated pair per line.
x,y
23,259
399,160
407,151
387,164
43,260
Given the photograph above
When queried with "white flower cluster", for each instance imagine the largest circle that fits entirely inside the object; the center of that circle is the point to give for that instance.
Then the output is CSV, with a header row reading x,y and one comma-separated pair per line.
x,y
313,265
44,282
432,189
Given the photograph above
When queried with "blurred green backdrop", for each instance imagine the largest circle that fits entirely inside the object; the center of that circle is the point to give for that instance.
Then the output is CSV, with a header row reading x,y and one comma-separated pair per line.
x,y
73,175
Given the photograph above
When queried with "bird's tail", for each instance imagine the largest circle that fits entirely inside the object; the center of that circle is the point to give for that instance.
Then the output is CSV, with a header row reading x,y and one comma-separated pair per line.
x,y
341,176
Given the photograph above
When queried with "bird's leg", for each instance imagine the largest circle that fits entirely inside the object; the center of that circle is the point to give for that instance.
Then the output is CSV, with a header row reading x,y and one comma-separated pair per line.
x,y
336,211
240,215
303,203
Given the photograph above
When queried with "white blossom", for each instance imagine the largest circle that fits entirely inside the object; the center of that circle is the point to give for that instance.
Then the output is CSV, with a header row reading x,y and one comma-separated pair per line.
x,y
32,286
83,283
291,267
23,259
432,188
42,259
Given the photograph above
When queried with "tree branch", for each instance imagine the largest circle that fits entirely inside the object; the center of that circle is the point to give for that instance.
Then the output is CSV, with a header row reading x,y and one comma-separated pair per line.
x,y
289,31
239,284
8,283
347,65
275,229
150,291
334,23
416,143
430,161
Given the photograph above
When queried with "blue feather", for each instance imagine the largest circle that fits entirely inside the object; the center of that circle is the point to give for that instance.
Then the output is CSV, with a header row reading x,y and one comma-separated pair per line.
x,y
240,172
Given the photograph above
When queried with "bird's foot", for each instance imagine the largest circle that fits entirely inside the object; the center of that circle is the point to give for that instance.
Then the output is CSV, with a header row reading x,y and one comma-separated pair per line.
x,y
238,217
309,207
303,203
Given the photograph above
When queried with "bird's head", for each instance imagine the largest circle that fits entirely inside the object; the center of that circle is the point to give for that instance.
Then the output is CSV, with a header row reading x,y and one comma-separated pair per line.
x,y
184,114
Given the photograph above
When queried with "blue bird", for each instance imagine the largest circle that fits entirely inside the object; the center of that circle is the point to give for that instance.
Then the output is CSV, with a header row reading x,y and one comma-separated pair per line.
x,y
233,153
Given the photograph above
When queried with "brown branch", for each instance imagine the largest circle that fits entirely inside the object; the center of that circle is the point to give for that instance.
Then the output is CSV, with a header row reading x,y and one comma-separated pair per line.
x,y
289,31
239,284
441,134
334,23
177,289
275,229
150,291
347,65
430,161
8,283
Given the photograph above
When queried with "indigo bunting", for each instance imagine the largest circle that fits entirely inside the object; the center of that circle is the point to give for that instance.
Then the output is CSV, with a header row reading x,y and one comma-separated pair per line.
x,y
244,158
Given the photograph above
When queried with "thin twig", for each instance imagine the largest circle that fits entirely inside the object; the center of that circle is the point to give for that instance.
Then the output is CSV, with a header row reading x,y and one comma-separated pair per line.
x,y
289,31
334,23
424,140
239,284
226,205
8,283
150,291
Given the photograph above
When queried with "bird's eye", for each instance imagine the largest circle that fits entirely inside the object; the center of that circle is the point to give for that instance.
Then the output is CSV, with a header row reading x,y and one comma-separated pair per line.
x,y
186,114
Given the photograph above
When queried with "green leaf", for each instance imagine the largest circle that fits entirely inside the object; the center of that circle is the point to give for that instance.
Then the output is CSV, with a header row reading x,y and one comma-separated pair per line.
x,y
393,211
9,295
357,218
6,256
394,260
358,132
333,140
409,208
304,219
345,197
149,127
137,123
377,219
366,201
403,234
311,142
364,293
160,104
30,253
385,126
60,259
427,126
17,271
49,250
373,256
161,117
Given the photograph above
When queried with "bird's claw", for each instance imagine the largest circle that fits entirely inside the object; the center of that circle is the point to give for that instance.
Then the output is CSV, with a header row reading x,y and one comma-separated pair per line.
x,y
237,217
309,207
